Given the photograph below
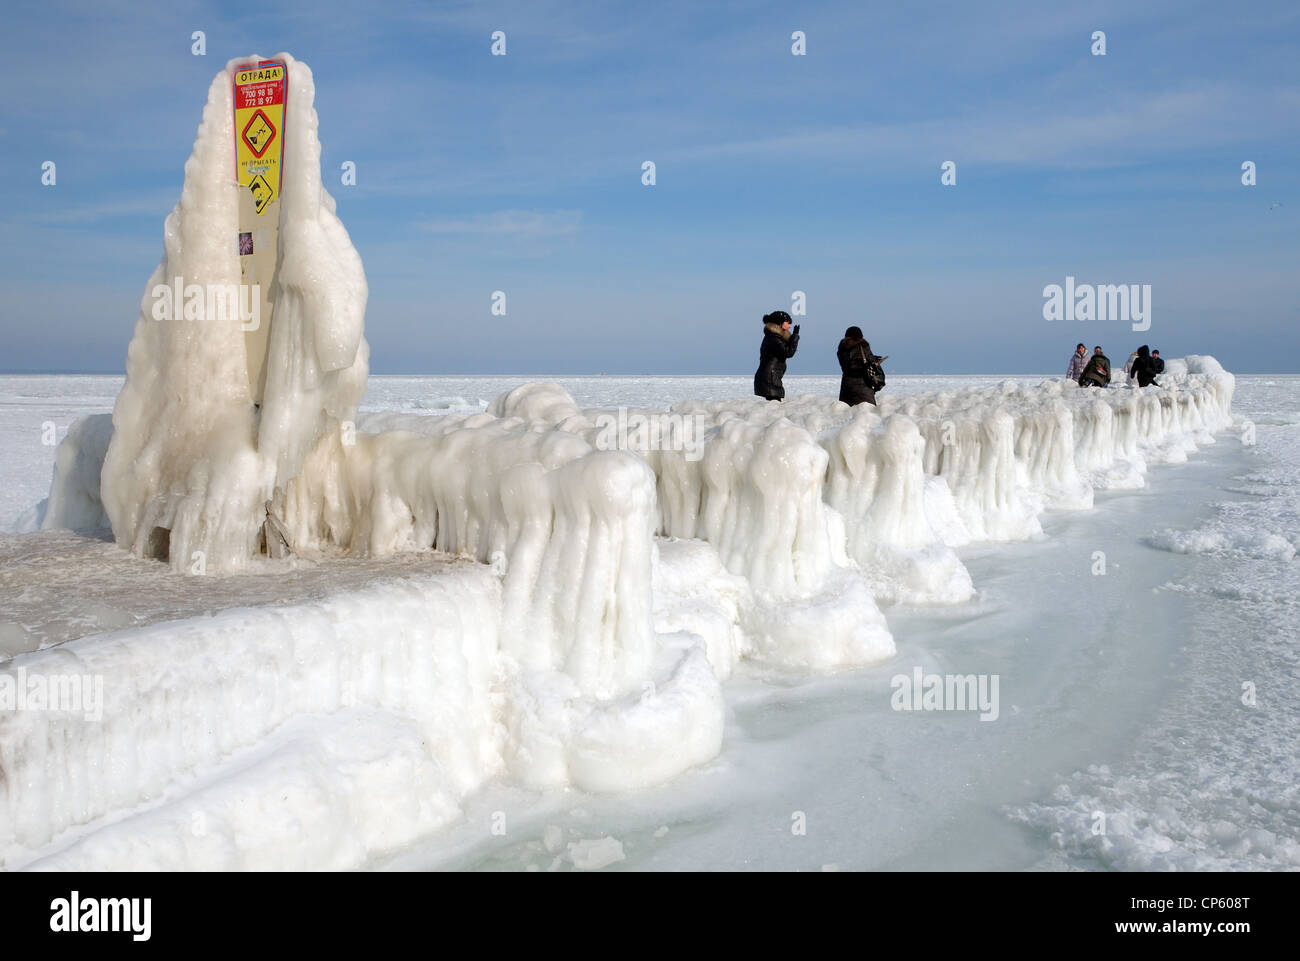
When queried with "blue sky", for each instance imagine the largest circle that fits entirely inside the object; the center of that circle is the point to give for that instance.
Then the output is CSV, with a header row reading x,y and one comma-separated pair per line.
x,y
775,173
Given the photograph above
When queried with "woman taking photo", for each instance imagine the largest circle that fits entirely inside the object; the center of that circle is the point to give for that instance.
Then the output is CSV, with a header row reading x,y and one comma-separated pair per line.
x,y
780,341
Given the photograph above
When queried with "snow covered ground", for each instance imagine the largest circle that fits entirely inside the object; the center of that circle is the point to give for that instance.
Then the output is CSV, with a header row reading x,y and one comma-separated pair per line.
x,y
1121,739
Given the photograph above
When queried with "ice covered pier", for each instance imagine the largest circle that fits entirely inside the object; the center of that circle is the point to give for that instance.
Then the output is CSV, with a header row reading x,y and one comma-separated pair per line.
x,y
564,614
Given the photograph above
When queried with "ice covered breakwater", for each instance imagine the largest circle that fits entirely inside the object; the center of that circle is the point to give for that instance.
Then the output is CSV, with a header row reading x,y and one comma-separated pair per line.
x,y
777,535
784,492
617,589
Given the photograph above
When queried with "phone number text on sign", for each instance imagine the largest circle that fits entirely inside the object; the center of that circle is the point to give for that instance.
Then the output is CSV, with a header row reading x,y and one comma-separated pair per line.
x,y
259,95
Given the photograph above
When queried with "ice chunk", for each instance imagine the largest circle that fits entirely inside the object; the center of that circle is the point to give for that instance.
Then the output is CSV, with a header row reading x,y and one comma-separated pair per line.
x,y
552,838
594,855
74,502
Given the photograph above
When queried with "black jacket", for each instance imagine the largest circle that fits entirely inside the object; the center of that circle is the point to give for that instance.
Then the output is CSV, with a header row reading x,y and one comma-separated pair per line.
x,y
855,357
772,355
1144,368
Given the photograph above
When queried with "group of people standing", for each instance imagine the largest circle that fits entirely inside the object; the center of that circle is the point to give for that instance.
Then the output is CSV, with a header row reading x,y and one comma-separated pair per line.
x,y
1143,366
861,375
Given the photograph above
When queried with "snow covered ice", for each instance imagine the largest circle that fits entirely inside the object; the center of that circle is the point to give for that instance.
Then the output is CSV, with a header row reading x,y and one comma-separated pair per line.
x,y
493,597
690,591
608,684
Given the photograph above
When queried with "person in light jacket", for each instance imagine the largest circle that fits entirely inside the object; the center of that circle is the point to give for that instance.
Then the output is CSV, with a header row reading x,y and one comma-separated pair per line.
x,y
1078,361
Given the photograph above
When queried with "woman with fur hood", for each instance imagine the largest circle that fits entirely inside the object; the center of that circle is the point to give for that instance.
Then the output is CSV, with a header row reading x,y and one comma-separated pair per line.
x,y
859,377
780,341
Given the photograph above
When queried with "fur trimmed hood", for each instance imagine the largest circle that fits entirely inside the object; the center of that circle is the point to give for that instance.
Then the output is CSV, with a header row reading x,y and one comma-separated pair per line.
x,y
778,330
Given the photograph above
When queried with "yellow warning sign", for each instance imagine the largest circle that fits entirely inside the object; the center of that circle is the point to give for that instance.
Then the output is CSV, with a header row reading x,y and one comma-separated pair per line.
x,y
262,193
258,134
259,129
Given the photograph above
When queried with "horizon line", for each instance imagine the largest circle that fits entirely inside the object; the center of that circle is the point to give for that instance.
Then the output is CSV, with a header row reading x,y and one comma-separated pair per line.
x,y
829,373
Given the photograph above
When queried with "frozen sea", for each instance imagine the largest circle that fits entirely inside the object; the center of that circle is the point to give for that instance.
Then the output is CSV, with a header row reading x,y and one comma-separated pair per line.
x,y
1149,716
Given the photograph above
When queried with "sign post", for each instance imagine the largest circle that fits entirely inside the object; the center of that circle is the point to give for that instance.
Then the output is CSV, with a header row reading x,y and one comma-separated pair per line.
x,y
260,91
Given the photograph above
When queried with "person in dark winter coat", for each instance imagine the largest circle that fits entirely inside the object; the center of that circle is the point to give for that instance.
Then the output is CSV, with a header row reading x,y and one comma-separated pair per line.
x,y
1158,365
1144,369
857,385
780,341
1097,373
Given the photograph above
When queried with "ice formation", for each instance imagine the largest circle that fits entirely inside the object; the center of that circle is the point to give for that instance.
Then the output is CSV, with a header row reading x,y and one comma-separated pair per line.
x,y
570,525
403,671
192,462
74,502
617,588
619,580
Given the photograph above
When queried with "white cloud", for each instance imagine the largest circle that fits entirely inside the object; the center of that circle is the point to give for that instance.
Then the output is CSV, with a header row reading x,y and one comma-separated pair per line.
x,y
523,224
